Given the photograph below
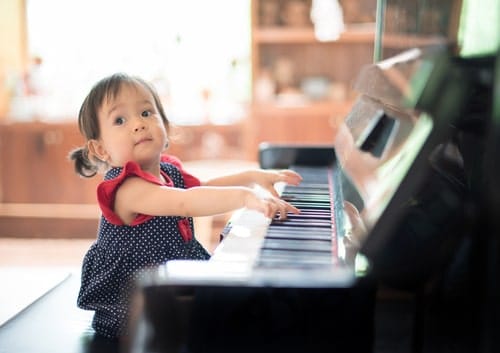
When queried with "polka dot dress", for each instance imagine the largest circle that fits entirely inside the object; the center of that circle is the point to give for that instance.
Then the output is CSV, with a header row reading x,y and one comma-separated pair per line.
x,y
110,267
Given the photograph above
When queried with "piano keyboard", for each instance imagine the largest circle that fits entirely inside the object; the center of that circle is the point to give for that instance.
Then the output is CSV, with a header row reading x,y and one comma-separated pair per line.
x,y
305,240
303,250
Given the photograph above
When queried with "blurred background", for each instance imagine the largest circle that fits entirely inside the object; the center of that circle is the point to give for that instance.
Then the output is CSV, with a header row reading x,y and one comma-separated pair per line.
x,y
231,74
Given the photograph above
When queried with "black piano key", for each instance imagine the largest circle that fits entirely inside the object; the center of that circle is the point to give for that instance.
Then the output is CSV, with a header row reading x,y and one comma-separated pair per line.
x,y
285,228
309,204
321,206
292,217
302,225
311,211
289,228
304,218
305,193
298,191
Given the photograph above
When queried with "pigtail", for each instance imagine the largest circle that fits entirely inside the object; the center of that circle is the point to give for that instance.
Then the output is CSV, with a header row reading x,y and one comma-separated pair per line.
x,y
84,166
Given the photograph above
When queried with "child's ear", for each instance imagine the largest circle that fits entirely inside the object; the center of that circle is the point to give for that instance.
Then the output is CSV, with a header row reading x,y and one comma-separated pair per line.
x,y
97,149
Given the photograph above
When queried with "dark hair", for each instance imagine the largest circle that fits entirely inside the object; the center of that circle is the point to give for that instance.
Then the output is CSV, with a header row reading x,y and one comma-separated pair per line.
x,y
88,122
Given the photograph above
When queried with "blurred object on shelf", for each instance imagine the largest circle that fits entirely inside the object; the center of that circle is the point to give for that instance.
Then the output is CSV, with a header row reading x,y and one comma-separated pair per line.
x,y
295,13
291,97
358,11
338,92
315,87
328,19
213,145
269,13
34,80
29,93
265,87
284,74
431,21
396,20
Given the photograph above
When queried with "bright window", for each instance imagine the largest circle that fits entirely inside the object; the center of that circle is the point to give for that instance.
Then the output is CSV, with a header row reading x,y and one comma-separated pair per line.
x,y
196,52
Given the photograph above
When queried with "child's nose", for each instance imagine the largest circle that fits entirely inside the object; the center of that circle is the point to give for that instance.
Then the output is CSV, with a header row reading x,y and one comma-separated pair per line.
x,y
139,125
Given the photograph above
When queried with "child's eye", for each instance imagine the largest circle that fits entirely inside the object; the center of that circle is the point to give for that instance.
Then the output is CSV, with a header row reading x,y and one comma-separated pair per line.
x,y
146,113
119,120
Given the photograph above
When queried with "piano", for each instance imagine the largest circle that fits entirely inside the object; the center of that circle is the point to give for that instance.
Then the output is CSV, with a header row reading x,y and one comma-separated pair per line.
x,y
307,284
387,202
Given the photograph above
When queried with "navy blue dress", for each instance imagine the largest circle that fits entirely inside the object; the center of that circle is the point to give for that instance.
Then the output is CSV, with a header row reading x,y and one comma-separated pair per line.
x,y
112,265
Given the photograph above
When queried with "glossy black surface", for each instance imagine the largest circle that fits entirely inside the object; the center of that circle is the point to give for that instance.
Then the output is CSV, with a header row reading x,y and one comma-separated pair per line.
x,y
53,324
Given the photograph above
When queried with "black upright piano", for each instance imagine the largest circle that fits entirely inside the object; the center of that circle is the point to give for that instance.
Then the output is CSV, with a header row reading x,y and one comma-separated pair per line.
x,y
396,201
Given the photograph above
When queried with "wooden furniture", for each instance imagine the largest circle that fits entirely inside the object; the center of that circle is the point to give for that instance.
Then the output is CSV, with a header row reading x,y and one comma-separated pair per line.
x,y
301,86
42,196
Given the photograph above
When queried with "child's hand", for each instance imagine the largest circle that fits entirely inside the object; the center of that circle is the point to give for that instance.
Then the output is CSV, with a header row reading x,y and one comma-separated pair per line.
x,y
267,179
270,206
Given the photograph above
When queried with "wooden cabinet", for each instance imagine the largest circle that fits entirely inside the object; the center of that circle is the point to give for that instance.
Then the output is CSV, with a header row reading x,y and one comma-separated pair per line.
x,y
35,167
42,196
34,164
301,86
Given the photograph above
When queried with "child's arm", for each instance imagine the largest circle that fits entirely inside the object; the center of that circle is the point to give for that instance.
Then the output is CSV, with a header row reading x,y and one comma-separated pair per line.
x,y
264,178
138,196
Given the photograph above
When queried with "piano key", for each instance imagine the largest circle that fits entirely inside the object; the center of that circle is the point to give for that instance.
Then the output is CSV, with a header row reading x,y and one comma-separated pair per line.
x,y
300,235
303,224
293,244
311,212
293,258
285,227
300,205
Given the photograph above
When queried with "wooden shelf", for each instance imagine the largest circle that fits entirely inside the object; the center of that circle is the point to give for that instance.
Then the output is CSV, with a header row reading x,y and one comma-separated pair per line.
x,y
274,35
409,40
54,211
288,58
310,108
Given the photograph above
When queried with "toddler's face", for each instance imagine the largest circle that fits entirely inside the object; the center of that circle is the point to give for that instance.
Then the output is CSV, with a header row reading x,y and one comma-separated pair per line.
x,y
131,128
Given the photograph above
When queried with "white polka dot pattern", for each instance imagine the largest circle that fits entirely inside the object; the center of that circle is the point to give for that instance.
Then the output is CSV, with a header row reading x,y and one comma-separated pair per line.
x,y
111,266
